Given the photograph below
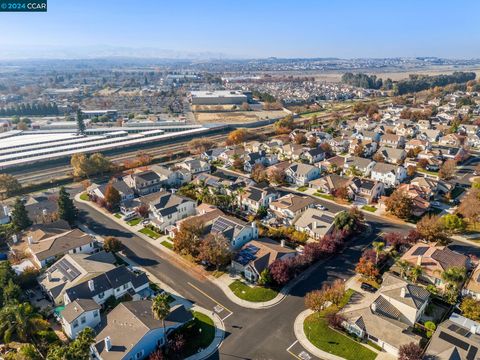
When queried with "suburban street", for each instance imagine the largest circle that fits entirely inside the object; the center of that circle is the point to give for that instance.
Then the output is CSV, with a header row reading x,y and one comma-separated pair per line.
x,y
251,334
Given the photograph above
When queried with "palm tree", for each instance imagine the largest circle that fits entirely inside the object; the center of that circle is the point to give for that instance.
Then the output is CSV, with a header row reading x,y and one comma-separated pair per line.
x,y
454,277
416,272
404,267
21,320
378,246
161,309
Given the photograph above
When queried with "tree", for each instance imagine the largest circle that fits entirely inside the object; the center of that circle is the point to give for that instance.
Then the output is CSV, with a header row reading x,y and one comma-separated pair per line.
x,y
411,170
99,164
394,239
453,223
399,204
367,268
300,138
404,267
410,351
215,250
80,123
112,244
431,229
350,220
258,173
430,327
341,193
66,208
281,271
415,273
315,300
80,165
329,293
157,355
238,136
9,185
161,309
378,246
265,277
187,239
276,176
77,349
20,219
359,150
112,197
199,146
454,277
238,163
20,321
470,308
469,206
447,171
143,210
312,142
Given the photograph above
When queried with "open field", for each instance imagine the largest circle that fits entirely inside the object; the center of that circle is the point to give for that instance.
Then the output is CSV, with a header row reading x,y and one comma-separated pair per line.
x,y
237,116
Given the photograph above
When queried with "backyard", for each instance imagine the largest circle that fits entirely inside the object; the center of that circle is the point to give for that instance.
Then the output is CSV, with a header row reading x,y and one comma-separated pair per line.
x,y
253,294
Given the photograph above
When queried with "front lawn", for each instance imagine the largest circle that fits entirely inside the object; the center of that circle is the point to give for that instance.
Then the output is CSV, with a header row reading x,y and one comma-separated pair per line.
x,y
325,196
198,334
134,222
369,208
84,197
323,337
165,243
150,233
118,215
253,294
302,188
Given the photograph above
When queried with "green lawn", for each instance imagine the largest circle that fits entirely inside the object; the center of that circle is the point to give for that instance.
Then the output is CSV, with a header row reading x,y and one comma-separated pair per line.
x,y
310,114
150,233
118,215
323,337
302,188
198,334
434,173
165,243
253,294
134,222
324,196
84,197
369,208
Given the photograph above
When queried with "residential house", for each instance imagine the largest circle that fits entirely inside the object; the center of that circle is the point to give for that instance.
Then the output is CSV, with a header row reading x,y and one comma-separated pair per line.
x,y
42,208
358,166
434,260
144,182
4,214
469,130
98,191
329,184
288,207
455,140
236,231
46,248
369,147
364,191
257,196
420,199
113,283
258,255
78,315
390,175
432,188
301,174
205,214
424,124
387,319
339,144
392,155
314,155
212,154
167,208
71,270
315,222
332,164
291,151
229,155
414,144
172,177
259,157
392,140
457,338
472,287
430,135
195,166
131,332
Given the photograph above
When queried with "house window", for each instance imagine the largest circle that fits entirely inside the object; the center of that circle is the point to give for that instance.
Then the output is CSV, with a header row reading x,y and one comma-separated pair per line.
x,y
139,354
373,338
125,287
80,248
83,320
75,324
95,313
101,295
118,289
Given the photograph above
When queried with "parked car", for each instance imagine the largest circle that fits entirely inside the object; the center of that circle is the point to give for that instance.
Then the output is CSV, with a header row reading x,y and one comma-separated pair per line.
x,y
367,287
145,222
320,207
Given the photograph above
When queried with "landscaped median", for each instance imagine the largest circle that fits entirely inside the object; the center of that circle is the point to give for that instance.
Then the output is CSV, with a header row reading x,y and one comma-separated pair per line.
x,y
252,293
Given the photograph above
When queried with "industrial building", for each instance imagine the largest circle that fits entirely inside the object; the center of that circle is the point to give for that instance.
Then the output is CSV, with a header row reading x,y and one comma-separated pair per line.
x,y
218,97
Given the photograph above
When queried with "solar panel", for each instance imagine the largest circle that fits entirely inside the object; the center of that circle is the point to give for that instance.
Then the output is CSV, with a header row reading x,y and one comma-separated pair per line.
x,y
459,330
472,353
420,250
453,340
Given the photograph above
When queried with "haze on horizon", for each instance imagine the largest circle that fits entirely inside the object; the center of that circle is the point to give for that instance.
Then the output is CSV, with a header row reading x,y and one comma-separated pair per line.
x,y
247,29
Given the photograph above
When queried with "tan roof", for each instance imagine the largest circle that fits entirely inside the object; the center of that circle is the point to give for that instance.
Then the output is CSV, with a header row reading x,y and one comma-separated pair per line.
x,y
293,202
59,244
473,283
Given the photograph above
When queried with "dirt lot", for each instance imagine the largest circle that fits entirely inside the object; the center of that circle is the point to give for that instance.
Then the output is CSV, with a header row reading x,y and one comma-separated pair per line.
x,y
237,116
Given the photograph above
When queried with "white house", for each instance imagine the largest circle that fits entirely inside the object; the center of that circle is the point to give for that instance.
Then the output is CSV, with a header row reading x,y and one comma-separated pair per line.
x,y
78,315
390,175
301,174
236,231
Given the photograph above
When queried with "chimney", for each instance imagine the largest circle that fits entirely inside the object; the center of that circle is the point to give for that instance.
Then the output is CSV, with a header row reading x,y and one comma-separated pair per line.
x,y
282,243
49,276
108,343
6,210
403,292
91,285
474,329
419,260
14,238
314,225
30,240
374,307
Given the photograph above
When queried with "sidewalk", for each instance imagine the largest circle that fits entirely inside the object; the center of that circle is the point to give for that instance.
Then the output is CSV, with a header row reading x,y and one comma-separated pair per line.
x,y
302,338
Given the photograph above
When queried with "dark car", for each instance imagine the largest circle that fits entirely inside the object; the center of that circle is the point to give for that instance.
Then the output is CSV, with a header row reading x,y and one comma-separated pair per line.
x,y
368,287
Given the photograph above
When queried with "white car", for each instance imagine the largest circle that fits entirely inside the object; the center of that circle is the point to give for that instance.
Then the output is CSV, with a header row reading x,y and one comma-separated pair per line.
x,y
320,207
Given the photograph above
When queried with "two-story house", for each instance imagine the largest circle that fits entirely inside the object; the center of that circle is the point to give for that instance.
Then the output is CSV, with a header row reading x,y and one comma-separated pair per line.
x,y
286,208
390,175
144,182
78,315
301,174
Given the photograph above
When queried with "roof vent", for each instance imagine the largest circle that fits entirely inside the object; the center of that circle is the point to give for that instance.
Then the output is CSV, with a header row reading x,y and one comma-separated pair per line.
x,y
108,343
91,285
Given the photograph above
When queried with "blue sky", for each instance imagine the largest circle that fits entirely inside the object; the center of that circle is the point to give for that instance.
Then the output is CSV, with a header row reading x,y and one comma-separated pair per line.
x,y
253,28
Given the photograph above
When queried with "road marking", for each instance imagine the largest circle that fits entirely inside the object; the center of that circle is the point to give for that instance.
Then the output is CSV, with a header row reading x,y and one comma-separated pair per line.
x,y
291,353
219,305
